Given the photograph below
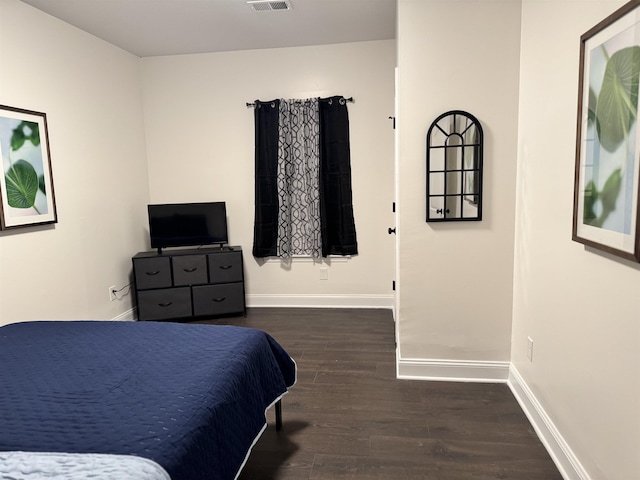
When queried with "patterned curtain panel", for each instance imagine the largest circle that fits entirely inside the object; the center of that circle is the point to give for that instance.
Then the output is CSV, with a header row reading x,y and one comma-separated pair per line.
x,y
303,202
298,179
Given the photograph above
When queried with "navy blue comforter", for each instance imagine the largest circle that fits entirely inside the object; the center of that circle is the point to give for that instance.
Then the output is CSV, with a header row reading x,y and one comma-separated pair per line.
x,y
190,397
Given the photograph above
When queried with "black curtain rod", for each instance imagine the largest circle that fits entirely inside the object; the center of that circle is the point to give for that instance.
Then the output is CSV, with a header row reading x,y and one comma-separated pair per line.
x,y
350,100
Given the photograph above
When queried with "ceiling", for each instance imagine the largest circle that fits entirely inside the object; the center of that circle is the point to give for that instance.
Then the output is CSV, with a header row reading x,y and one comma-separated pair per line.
x,y
174,27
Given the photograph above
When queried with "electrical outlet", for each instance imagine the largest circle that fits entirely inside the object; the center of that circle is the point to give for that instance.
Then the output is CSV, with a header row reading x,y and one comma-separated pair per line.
x,y
324,273
530,349
112,293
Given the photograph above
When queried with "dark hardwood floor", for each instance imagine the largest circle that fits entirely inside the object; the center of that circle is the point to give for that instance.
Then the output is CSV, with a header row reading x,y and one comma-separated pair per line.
x,y
348,417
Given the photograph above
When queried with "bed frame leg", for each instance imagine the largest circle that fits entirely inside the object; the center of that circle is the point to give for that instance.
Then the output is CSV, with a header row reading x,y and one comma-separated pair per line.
x,y
279,415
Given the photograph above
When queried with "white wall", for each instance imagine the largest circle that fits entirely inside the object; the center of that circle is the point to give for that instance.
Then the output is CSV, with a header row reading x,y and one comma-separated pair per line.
x,y
90,92
580,307
456,278
200,142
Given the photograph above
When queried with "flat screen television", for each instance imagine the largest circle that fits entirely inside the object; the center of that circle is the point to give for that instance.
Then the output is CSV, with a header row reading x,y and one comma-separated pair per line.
x,y
187,224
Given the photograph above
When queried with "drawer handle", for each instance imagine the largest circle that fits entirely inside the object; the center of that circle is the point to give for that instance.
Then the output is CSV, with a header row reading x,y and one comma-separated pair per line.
x,y
190,270
151,274
225,267
166,304
219,299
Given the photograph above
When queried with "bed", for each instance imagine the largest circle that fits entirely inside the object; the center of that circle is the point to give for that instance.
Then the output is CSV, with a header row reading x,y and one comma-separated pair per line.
x,y
162,400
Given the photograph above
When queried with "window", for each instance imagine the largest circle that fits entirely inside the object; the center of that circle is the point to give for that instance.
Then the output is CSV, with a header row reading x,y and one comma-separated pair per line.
x,y
303,203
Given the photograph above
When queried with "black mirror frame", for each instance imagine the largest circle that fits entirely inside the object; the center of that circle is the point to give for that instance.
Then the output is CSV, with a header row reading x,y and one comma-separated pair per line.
x,y
467,172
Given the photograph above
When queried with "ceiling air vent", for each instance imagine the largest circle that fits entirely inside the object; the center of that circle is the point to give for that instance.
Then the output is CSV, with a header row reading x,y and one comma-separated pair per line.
x,y
269,5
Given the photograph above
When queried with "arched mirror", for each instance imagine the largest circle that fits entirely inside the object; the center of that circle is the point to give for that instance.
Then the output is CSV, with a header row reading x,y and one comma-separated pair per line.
x,y
454,168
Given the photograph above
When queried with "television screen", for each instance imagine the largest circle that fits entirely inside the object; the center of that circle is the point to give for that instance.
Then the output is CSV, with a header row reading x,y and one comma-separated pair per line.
x,y
187,224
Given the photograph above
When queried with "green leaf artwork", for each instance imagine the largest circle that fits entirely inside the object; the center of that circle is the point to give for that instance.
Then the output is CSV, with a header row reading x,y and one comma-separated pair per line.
x,y
590,198
41,184
23,132
593,101
614,111
21,178
608,197
618,99
22,185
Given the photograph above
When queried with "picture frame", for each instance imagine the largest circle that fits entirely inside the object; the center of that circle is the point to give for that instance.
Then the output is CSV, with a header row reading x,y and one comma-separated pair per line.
x,y
607,164
26,184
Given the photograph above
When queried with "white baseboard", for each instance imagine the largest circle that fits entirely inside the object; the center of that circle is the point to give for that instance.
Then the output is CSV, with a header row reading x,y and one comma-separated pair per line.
x,y
300,301
453,370
562,455
321,301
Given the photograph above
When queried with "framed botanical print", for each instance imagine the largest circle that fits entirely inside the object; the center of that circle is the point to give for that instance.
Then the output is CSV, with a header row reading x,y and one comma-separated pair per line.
x,y
26,183
606,194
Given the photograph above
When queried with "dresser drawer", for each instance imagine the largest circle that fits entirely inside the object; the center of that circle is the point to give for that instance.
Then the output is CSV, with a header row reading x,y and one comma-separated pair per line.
x,y
182,283
164,303
218,299
225,267
189,270
152,272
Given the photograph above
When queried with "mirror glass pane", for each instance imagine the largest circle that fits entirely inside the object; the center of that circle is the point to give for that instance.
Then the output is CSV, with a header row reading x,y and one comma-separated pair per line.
x,y
454,140
438,135
469,158
436,207
471,182
471,199
436,158
469,207
454,158
436,184
470,135
462,123
454,183
453,206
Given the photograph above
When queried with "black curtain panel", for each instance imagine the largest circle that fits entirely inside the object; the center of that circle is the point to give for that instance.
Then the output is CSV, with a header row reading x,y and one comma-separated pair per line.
x,y
265,232
337,226
336,204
